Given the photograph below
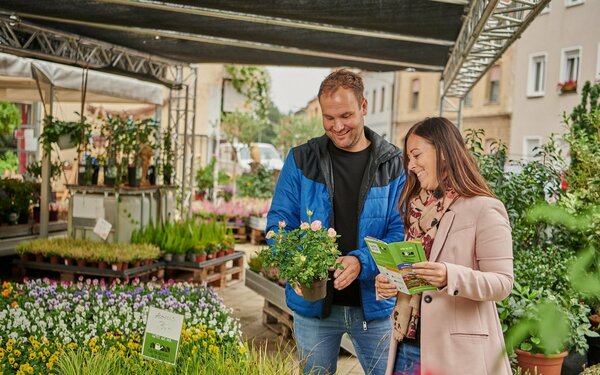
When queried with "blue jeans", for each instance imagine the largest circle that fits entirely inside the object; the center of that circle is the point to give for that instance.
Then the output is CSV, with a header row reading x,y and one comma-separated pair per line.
x,y
318,340
408,359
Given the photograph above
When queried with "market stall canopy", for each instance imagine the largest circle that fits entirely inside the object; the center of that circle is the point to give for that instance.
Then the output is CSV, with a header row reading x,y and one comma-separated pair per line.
x,y
380,35
144,38
18,84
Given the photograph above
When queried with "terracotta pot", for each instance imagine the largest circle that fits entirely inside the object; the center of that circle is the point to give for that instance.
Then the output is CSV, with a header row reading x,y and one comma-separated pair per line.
x,y
26,257
210,256
542,363
117,266
137,264
230,251
39,258
54,259
102,265
124,266
201,258
69,262
317,291
81,262
148,262
220,253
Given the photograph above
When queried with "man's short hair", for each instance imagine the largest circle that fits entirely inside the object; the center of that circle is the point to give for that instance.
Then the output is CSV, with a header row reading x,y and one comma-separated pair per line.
x,y
343,78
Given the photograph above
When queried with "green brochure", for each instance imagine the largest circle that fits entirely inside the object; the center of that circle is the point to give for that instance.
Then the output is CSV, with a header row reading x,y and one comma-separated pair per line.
x,y
395,262
163,333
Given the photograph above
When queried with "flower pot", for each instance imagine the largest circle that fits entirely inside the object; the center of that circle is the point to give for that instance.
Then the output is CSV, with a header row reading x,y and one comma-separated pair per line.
x,y
95,172
26,257
220,253
39,258
168,257
179,257
167,178
102,265
53,215
573,364
12,218
200,258
134,176
65,141
317,291
81,262
69,262
593,354
117,266
148,262
210,256
151,175
544,364
191,257
229,251
54,259
137,264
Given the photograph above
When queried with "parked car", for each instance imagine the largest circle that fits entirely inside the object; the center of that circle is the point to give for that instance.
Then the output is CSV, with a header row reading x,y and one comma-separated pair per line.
x,y
269,157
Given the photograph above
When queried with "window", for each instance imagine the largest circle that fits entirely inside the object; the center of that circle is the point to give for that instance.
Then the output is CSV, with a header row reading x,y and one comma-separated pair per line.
x,y
537,74
569,65
374,101
530,146
570,3
414,97
468,100
382,99
494,84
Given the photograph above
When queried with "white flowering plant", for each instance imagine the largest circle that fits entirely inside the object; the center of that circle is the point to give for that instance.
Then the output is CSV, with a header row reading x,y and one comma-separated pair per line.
x,y
303,254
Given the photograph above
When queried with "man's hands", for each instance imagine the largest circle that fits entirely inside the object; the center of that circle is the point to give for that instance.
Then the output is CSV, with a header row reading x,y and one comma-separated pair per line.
x,y
349,273
384,287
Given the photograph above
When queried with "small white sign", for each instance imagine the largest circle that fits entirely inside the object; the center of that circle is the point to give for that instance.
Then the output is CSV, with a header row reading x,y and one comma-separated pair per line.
x,y
162,336
102,228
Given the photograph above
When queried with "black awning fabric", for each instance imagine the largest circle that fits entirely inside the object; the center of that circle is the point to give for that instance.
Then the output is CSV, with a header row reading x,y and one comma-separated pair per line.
x,y
105,20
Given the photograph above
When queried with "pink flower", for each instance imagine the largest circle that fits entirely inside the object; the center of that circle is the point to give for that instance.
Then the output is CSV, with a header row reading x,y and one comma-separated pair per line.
x,y
315,225
331,233
270,234
305,226
282,224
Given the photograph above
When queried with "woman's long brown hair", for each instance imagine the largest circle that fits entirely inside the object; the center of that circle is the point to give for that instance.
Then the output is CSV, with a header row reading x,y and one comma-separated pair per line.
x,y
461,169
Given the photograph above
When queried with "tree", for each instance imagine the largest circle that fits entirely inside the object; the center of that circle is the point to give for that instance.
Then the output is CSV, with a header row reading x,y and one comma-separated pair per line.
x,y
295,130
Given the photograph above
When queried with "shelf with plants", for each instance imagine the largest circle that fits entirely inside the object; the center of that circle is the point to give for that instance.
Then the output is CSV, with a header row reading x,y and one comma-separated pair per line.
x,y
189,241
91,254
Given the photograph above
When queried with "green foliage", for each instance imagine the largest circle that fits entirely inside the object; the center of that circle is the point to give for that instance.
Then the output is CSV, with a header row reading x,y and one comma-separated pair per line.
x,y
10,118
254,83
533,242
258,184
79,131
16,196
296,130
35,169
255,263
303,254
205,176
8,162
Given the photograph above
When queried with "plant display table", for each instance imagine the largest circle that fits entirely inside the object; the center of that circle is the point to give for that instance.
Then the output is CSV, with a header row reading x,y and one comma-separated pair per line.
x,y
125,208
217,273
276,315
69,272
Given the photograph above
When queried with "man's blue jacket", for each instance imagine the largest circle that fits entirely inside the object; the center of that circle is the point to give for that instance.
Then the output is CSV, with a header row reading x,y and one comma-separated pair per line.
x,y
306,183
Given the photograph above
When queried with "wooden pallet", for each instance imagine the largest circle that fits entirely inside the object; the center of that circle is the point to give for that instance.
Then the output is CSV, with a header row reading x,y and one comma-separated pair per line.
x,y
257,237
277,320
239,232
217,273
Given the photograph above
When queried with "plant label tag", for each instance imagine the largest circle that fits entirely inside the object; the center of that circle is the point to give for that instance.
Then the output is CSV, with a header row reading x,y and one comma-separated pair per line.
x,y
162,336
102,228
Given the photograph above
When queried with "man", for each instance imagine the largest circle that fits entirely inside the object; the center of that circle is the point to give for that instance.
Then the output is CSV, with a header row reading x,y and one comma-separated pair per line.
x,y
350,178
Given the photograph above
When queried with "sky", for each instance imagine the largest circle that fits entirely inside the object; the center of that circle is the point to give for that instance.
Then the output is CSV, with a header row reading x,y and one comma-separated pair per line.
x,y
292,88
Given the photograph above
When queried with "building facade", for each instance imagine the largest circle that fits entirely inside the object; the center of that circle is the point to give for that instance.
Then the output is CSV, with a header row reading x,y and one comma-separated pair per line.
x,y
553,59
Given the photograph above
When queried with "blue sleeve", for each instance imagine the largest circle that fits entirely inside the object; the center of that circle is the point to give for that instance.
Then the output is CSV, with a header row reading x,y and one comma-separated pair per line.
x,y
285,205
393,232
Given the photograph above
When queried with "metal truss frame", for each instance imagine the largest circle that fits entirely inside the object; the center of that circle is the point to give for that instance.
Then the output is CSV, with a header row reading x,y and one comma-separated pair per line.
x,y
182,124
25,39
490,28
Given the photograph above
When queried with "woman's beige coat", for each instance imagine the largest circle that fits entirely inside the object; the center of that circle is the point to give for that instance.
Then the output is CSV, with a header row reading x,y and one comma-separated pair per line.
x,y
460,329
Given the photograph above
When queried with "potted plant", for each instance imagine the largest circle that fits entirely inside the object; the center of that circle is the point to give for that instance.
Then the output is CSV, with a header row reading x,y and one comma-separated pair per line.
x,y
168,157
567,86
66,134
304,256
542,328
205,178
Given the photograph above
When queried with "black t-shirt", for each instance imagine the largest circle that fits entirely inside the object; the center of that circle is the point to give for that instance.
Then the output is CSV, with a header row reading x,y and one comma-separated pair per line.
x,y
348,171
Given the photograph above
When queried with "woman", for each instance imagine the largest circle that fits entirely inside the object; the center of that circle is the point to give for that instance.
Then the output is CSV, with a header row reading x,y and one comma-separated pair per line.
x,y
466,235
